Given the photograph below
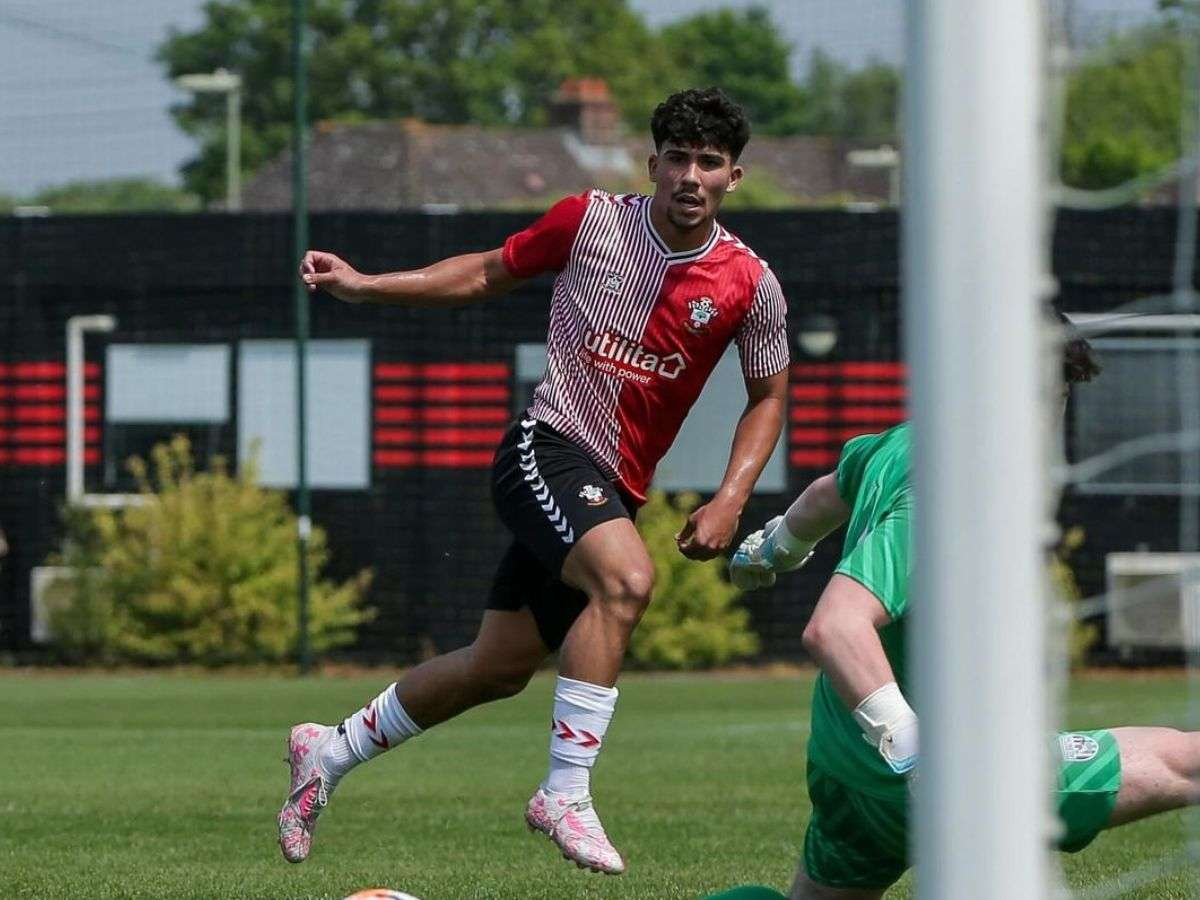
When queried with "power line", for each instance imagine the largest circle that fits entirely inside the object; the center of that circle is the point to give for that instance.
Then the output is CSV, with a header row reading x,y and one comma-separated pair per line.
x,y
57,32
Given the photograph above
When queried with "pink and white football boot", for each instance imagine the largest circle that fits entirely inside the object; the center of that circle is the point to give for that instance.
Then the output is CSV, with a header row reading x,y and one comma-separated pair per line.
x,y
309,792
572,823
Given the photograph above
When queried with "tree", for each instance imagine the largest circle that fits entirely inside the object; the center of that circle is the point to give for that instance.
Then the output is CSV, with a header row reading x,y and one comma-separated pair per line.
x,y
114,195
871,103
485,61
1123,110
743,53
862,104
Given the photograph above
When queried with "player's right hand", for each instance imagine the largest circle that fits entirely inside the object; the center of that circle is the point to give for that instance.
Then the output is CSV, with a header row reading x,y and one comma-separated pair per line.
x,y
324,270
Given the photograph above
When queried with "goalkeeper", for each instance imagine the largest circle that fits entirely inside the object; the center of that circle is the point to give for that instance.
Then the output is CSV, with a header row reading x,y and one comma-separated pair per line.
x,y
863,742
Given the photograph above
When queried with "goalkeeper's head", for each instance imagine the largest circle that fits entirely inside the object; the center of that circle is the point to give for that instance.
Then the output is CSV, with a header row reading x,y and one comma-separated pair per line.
x,y
1079,361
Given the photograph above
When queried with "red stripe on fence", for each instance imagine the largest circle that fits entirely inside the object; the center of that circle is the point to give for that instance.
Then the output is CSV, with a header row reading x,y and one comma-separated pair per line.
x,y
443,415
868,371
814,459
451,393
824,435
882,393
402,393
452,437
43,371
450,459
44,413
45,456
880,370
48,434
879,415
442,371
44,392
814,370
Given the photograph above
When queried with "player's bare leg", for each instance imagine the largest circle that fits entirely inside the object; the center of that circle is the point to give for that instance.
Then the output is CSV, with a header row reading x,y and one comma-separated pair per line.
x,y
610,564
1160,771
505,654
804,888
499,663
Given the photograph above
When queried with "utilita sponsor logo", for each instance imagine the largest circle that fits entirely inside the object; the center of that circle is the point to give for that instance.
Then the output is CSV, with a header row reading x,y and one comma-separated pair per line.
x,y
622,357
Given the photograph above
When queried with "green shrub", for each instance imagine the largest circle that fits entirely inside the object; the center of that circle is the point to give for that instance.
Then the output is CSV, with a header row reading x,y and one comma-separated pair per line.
x,y
693,620
205,571
1080,636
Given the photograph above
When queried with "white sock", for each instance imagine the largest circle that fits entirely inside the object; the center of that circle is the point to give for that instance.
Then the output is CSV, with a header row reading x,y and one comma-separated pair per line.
x,y
582,712
380,725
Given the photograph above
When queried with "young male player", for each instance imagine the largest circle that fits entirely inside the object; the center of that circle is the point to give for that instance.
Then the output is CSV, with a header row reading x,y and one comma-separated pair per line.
x,y
856,845
650,292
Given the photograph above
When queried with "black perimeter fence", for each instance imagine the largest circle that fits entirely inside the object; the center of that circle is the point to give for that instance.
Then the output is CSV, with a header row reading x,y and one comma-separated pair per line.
x,y
229,277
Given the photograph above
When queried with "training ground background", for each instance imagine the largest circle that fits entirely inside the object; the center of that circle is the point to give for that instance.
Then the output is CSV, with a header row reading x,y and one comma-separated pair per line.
x,y
167,786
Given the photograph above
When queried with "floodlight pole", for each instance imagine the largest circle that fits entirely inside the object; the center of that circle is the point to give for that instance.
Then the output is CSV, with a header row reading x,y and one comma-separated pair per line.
x,y
233,149
224,82
972,223
299,246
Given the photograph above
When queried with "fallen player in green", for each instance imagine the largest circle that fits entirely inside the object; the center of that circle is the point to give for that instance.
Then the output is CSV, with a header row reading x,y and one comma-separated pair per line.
x,y
856,845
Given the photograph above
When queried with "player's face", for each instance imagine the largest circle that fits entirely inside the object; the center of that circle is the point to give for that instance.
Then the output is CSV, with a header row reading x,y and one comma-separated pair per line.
x,y
691,182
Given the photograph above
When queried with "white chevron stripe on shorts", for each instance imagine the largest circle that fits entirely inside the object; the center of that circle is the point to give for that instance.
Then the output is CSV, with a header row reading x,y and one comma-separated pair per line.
x,y
541,490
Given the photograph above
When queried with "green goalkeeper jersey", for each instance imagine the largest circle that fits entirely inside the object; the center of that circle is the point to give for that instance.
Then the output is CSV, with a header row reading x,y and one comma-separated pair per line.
x,y
873,480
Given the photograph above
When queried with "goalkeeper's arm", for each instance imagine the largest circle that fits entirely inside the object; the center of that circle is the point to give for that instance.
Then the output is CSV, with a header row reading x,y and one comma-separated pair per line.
x,y
786,542
843,637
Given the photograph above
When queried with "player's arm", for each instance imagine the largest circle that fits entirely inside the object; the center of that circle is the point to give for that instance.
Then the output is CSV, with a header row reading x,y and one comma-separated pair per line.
x,y
456,281
843,638
786,542
545,246
710,529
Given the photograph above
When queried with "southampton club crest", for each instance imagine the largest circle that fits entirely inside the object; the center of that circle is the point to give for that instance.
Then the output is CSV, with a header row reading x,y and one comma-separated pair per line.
x,y
592,495
703,312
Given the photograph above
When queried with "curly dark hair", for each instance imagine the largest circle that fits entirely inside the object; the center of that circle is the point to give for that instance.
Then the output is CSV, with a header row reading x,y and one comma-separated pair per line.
x,y
1079,359
701,118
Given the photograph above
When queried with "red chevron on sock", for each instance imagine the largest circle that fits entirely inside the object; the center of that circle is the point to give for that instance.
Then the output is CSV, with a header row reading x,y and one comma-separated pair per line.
x,y
565,732
590,740
371,720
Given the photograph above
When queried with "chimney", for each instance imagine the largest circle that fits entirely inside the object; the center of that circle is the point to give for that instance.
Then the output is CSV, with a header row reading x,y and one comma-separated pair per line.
x,y
586,106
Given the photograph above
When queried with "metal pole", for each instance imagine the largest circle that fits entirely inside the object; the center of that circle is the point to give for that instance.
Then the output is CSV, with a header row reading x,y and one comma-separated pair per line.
x,y
971,262
76,326
233,150
74,410
300,244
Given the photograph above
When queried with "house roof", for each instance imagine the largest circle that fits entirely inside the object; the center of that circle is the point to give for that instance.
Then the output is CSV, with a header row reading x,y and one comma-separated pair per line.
x,y
407,164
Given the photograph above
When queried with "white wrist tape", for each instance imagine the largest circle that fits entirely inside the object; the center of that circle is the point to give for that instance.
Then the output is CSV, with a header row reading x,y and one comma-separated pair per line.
x,y
890,726
782,549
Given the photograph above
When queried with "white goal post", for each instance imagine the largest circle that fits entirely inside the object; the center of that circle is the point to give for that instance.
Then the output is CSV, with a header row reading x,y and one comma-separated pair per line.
x,y
973,267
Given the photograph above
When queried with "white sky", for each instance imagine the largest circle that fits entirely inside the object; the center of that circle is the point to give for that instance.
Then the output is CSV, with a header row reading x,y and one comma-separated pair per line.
x,y
81,97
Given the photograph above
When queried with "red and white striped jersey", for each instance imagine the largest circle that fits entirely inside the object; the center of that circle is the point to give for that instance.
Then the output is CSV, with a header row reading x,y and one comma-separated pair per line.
x,y
635,329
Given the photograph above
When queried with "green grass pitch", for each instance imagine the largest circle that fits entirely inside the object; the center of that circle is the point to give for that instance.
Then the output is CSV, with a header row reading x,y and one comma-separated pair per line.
x,y
167,786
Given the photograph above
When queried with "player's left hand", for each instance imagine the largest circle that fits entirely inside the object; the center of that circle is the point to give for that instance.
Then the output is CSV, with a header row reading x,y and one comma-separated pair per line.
x,y
708,531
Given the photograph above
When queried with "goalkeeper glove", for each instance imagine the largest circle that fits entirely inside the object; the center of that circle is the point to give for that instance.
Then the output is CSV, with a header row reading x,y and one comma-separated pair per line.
x,y
765,552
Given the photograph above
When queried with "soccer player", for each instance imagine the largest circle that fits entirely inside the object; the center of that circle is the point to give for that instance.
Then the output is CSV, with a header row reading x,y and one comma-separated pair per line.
x,y
856,845
650,292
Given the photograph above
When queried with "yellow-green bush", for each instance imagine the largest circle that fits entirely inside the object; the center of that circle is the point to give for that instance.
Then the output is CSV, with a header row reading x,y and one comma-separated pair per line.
x,y
205,571
1080,636
694,620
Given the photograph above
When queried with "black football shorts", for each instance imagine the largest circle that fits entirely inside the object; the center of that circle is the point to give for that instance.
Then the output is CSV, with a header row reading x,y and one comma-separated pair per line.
x,y
549,493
